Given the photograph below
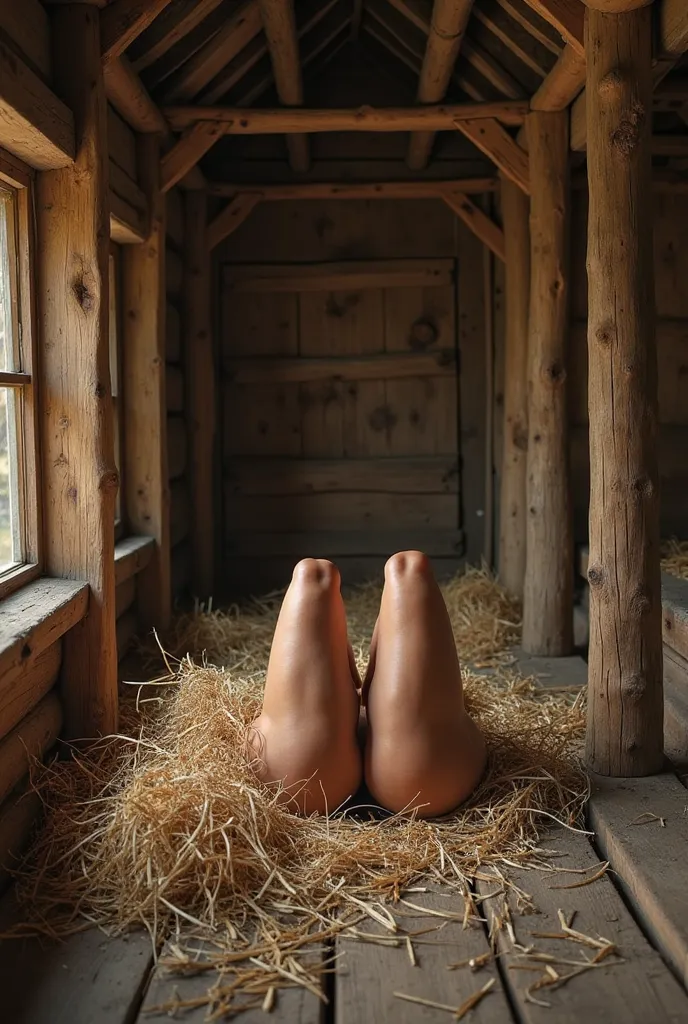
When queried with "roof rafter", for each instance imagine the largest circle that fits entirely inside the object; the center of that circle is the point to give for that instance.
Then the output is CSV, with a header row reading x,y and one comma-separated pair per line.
x,y
172,28
567,17
123,21
279,26
445,36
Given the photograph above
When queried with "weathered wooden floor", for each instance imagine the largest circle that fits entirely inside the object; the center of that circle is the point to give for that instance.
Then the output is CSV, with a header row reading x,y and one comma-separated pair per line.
x,y
641,905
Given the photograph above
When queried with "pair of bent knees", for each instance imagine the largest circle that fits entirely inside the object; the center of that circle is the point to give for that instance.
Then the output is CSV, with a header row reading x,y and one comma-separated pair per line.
x,y
324,575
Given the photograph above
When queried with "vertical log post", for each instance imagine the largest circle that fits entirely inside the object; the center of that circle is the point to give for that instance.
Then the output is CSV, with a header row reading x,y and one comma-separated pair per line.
x,y
624,735
200,378
145,407
80,478
548,585
512,524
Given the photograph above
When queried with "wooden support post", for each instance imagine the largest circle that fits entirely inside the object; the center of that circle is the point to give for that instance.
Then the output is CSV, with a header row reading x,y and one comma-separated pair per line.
x,y
445,35
625,663
200,377
512,524
548,585
279,25
145,407
80,478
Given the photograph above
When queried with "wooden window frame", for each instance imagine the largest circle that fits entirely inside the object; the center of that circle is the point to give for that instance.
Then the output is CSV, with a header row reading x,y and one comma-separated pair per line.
x,y
118,424
18,178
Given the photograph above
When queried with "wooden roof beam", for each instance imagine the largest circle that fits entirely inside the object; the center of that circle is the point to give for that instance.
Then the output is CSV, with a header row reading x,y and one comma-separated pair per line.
x,y
175,25
130,98
567,17
446,32
187,151
231,217
279,26
263,121
196,74
354,189
491,139
123,21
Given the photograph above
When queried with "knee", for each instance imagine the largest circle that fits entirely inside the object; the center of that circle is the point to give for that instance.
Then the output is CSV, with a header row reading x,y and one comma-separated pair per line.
x,y
316,572
408,564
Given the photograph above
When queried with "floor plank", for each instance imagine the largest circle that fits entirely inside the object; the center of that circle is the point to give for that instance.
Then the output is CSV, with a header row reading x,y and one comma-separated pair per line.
x,y
649,858
88,978
640,990
292,1005
553,672
369,974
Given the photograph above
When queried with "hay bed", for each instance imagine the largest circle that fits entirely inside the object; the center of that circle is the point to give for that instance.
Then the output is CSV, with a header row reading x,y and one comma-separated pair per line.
x,y
165,826
675,558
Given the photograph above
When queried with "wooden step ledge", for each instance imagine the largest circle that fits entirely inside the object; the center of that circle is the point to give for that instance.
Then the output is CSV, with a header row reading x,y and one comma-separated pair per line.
x,y
675,613
131,556
641,827
35,617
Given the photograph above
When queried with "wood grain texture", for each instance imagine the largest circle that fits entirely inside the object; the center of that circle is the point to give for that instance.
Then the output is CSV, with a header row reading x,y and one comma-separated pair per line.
x,y
86,978
25,688
675,613
267,121
513,507
640,989
279,26
445,36
387,367
423,189
231,217
80,479
199,374
567,17
482,226
649,858
447,543
350,275
563,83
624,735
427,475
170,28
295,1005
145,398
368,974
130,98
28,26
673,27
548,585
36,617
123,21
31,738
34,124
490,138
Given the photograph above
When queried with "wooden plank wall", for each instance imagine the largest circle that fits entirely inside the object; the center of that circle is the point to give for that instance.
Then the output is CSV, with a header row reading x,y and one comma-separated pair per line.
x,y
671,276
177,446
331,232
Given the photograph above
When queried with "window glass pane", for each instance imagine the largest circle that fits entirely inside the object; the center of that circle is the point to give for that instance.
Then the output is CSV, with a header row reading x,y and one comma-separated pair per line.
x,y
10,534
7,339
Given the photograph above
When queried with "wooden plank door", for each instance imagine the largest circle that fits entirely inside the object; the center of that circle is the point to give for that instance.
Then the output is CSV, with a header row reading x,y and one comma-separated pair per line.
x,y
340,416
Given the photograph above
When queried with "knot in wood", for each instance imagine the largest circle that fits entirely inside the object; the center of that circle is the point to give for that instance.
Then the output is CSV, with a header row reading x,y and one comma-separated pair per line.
x,y
640,603
605,334
644,487
633,688
100,390
423,334
382,418
72,494
611,84
519,437
109,481
556,372
627,134
83,294
596,576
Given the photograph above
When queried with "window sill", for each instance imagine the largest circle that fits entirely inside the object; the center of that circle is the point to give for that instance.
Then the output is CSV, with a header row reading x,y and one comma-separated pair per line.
x,y
35,617
15,579
131,556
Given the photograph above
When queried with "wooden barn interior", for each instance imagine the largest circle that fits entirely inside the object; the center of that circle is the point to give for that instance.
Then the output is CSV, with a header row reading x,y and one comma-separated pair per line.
x,y
339,278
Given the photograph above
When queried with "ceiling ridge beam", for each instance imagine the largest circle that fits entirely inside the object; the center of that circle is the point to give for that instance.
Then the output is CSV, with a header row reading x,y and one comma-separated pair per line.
x,y
279,26
446,32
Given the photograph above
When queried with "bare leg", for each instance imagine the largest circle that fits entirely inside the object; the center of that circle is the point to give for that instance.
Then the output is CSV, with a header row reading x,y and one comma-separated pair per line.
x,y
422,749
306,733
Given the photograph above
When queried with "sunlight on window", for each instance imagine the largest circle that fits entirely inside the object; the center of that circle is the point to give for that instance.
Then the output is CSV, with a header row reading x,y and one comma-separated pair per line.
x,y
10,534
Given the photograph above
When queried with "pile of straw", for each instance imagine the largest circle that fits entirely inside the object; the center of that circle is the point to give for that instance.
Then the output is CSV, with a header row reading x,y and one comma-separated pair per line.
x,y
166,827
675,558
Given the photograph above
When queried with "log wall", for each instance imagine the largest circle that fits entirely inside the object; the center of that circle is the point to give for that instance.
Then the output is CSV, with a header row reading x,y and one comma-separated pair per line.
x,y
177,443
